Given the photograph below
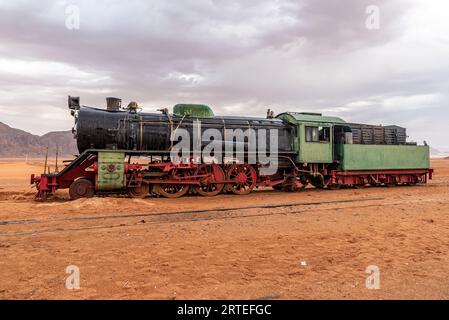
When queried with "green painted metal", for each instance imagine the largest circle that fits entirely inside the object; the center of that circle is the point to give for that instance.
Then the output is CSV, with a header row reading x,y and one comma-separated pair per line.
x,y
299,117
382,157
314,152
111,170
193,110
311,152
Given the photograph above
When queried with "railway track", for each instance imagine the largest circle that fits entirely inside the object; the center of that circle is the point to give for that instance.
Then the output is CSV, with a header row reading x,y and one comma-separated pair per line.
x,y
116,216
26,227
185,216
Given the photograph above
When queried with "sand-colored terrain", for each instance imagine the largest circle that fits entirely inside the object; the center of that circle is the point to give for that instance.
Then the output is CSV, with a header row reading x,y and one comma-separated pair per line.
x,y
314,244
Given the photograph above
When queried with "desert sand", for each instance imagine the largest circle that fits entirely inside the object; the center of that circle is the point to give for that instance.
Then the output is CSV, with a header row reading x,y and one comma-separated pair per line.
x,y
314,244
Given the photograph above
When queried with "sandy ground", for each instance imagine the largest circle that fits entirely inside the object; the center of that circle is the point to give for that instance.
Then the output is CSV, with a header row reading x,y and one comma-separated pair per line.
x,y
318,247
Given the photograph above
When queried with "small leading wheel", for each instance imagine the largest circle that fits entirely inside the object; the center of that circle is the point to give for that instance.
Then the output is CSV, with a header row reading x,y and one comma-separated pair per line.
x,y
317,182
139,192
173,190
212,173
81,188
244,178
293,185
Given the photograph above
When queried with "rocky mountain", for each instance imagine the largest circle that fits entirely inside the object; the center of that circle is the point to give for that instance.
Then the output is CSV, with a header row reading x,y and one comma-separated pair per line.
x,y
15,143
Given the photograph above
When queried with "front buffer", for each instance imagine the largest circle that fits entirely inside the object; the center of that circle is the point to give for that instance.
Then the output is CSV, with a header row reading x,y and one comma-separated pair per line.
x,y
90,173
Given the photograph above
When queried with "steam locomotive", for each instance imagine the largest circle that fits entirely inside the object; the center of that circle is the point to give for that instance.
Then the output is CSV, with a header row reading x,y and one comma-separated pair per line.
x,y
126,151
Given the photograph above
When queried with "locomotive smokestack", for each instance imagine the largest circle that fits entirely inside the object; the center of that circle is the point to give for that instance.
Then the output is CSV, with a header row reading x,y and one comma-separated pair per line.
x,y
113,104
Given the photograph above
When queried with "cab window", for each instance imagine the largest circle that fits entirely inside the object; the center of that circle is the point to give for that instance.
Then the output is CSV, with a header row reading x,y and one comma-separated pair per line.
x,y
312,134
317,134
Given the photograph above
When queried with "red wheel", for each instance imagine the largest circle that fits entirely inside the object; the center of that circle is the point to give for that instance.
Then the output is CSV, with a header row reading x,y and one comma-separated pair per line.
x,y
81,188
212,173
173,190
139,192
244,178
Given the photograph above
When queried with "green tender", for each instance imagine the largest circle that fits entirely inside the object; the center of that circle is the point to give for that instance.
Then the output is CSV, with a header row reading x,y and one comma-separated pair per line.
x,y
111,172
382,157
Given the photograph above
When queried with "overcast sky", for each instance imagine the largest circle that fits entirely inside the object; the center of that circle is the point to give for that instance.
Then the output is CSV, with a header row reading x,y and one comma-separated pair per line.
x,y
240,57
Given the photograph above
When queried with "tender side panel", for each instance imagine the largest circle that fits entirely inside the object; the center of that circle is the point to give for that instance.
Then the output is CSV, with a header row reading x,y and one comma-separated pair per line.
x,y
382,157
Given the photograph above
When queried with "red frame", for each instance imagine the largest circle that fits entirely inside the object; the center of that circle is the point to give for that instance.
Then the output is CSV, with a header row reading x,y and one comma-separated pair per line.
x,y
361,177
88,168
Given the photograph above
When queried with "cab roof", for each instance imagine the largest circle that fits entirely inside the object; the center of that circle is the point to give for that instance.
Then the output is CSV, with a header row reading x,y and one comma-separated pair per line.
x,y
296,117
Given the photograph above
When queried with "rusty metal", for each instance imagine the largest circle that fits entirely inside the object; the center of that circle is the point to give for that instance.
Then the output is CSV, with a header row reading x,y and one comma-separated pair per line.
x,y
81,188
139,192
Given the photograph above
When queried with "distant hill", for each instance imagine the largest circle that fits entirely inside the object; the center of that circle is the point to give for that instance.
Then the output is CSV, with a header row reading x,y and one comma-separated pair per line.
x,y
435,153
15,143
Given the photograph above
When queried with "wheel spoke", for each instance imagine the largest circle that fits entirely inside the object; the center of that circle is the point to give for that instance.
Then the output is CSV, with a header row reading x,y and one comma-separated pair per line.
x,y
244,177
212,172
173,190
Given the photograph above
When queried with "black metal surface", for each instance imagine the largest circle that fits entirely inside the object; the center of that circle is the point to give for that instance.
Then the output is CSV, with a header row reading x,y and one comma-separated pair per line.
x,y
104,129
74,103
372,134
113,104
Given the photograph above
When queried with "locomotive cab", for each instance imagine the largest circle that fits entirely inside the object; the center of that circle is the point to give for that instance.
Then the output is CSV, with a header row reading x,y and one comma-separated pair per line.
x,y
315,136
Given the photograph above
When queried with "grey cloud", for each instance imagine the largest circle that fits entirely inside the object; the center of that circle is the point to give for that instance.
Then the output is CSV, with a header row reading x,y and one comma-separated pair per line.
x,y
244,55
